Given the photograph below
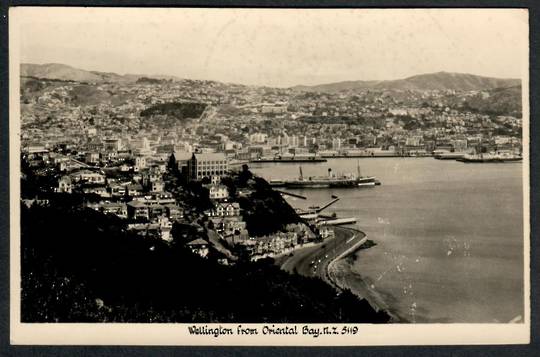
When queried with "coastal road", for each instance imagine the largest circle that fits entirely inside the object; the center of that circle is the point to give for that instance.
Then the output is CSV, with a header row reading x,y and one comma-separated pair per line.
x,y
313,261
306,262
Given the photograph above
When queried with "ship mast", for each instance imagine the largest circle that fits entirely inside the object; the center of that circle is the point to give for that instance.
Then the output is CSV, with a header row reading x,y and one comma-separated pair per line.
x,y
301,174
358,168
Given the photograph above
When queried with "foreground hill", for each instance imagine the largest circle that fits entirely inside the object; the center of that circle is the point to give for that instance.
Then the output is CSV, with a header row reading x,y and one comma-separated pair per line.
x,y
108,275
431,81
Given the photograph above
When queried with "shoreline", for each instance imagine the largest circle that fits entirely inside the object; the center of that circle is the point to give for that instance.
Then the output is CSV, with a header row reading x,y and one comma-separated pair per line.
x,y
320,261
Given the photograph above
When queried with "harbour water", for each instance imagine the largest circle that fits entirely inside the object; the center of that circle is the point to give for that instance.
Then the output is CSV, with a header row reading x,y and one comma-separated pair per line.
x,y
449,235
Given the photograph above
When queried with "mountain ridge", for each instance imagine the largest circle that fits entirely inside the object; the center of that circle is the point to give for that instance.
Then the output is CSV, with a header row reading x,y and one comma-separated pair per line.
x,y
427,81
60,71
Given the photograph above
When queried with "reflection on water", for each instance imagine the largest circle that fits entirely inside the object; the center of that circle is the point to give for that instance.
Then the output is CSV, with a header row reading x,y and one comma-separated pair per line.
x,y
449,235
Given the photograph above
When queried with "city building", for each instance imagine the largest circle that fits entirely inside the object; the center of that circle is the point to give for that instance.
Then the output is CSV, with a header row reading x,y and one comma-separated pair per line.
x,y
207,165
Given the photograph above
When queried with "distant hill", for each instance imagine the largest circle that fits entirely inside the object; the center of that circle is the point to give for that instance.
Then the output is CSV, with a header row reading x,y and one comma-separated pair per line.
x,y
501,101
64,72
431,81
79,94
58,71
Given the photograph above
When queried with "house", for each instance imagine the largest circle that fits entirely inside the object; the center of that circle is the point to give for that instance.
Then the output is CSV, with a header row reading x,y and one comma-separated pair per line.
x,y
174,212
100,190
118,209
134,189
138,210
124,168
149,176
223,209
140,163
326,232
35,201
165,227
117,190
199,246
218,192
64,184
160,167
157,210
229,225
157,186
157,229
147,230
112,144
37,150
91,158
275,243
87,176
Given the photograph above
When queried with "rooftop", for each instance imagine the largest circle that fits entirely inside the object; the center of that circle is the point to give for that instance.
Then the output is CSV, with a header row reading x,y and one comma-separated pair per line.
x,y
198,241
217,156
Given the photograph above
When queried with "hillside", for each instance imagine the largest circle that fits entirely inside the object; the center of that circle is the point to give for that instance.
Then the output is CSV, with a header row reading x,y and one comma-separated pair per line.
x,y
431,81
338,86
64,72
110,275
79,94
501,101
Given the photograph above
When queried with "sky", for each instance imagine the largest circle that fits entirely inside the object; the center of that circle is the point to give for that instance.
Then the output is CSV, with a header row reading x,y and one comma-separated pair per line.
x,y
276,47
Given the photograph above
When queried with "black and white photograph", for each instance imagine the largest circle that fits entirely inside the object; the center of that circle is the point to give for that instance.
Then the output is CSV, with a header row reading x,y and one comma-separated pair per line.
x,y
242,176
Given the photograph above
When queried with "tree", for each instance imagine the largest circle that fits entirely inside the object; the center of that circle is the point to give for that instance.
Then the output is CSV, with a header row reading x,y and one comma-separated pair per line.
x,y
245,175
172,166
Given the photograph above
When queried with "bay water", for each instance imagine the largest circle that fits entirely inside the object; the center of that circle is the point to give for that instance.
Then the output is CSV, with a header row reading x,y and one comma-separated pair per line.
x,y
449,235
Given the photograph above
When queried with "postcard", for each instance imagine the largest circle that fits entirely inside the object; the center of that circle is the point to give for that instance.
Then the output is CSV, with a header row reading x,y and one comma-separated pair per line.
x,y
269,177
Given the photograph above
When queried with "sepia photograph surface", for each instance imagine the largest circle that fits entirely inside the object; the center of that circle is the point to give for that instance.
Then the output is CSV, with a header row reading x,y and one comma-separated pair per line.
x,y
246,176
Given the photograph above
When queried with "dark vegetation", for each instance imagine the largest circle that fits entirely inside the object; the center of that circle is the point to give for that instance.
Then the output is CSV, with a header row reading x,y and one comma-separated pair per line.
x,y
264,211
147,80
179,110
79,265
88,95
229,110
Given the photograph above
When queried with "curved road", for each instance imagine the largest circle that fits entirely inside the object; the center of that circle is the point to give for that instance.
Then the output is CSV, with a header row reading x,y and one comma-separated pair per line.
x,y
313,261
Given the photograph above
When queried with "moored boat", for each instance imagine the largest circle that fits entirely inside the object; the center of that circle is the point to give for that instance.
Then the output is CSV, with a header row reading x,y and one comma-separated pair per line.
x,y
491,158
448,155
332,181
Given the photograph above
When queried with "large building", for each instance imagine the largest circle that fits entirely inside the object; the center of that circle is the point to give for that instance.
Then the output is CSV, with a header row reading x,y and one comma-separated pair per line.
x,y
207,165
